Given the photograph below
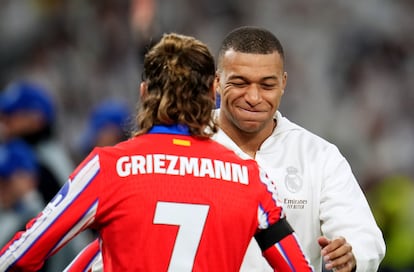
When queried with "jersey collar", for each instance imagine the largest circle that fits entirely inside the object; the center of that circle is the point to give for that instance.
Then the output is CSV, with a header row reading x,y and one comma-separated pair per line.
x,y
178,129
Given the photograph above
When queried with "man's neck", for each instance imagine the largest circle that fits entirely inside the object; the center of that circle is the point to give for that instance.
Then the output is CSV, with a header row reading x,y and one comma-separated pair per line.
x,y
248,142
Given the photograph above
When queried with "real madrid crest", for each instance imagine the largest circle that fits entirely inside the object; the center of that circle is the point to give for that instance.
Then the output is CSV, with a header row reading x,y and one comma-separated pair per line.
x,y
292,180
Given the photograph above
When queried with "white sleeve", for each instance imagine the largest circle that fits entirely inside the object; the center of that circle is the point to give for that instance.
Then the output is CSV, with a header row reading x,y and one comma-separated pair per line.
x,y
344,211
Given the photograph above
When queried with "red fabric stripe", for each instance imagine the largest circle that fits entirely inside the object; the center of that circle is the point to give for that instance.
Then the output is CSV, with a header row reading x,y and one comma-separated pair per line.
x,y
294,260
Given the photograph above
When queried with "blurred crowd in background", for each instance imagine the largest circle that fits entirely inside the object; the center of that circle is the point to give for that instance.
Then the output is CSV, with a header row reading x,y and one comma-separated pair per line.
x,y
70,72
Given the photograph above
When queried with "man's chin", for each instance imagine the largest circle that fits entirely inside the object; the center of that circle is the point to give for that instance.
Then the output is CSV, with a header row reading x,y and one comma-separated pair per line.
x,y
250,127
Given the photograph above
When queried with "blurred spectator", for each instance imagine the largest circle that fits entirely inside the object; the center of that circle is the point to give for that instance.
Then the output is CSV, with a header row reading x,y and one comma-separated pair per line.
x,y
109,122
392,202
19,198
27,110
373,120
28,113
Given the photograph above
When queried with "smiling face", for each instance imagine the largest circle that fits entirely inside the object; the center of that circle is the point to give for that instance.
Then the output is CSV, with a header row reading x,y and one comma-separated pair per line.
x,y
251,87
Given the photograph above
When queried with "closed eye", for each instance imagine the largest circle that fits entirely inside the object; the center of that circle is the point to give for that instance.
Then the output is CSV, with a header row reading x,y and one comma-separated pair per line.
x,y
268,86
238,84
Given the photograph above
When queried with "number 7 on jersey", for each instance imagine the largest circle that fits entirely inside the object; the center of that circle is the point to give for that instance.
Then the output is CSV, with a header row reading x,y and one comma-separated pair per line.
x,y
191,219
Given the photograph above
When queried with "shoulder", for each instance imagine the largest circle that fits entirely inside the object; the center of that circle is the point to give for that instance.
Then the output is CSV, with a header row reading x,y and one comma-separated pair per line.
x,y
298,137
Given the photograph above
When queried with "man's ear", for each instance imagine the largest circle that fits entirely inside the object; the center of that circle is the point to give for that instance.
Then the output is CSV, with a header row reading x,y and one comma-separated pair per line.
x,y
216,84
143,89
284,82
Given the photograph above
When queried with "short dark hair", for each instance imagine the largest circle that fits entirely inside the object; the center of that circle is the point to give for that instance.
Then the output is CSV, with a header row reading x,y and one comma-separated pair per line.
x,y
250,39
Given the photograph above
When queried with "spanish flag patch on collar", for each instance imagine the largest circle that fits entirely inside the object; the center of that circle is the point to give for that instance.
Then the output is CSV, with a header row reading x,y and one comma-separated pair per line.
x,y
181,142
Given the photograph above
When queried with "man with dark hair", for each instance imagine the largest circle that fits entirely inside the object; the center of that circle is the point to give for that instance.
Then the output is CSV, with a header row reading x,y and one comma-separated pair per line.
x,y
319,192
170,198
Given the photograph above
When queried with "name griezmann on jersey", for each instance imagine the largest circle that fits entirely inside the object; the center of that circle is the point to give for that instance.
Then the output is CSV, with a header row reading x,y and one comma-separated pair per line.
x,y
181,166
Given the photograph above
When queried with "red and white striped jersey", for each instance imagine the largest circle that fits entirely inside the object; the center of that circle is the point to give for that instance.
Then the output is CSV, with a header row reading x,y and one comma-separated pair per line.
x,y
162,202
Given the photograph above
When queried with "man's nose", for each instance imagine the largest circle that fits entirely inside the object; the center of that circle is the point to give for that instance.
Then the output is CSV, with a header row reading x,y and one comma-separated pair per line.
x,y
252,95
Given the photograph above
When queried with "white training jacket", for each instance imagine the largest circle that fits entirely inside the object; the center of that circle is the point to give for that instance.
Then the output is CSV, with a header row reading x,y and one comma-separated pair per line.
x,y
319,193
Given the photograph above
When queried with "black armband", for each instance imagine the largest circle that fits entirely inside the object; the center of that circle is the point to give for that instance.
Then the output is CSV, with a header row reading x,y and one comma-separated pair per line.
x,y
276,232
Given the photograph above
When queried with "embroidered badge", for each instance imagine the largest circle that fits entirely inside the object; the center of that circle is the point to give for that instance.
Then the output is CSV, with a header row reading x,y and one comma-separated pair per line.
x,y
292,180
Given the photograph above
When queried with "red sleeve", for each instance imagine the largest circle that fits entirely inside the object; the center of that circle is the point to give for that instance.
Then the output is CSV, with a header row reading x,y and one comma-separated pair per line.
x,y
72,210
85,259
286,255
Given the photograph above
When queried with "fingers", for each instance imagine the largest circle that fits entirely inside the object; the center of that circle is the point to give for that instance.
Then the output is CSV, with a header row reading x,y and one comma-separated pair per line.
x,y
336,247
323,241
338,255
343,263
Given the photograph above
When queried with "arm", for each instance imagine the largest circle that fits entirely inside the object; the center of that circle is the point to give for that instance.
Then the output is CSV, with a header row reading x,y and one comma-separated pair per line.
x,y
352,239
275,236
281,249
86,259
72,210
